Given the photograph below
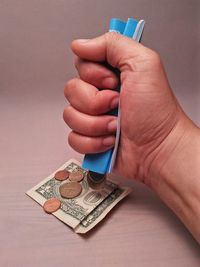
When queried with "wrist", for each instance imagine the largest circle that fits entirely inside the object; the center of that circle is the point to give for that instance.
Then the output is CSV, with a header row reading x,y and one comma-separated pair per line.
x,y
175,152
175,173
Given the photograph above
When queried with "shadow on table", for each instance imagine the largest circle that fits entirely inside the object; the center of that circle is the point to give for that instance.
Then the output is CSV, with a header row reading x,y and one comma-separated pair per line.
x,y
144,201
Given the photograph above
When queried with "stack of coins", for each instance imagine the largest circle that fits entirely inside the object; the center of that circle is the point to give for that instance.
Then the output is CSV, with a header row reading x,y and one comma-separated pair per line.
x,y
96,180
68,190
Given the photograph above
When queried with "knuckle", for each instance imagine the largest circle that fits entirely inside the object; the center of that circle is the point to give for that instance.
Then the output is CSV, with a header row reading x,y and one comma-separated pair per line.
x,y
155,58
76,142
112,36
70,137
76,62
87,71
71,140
70,85
112,40
66,114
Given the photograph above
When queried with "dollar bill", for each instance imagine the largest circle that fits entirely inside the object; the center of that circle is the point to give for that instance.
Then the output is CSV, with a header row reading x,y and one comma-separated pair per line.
x,y
81,213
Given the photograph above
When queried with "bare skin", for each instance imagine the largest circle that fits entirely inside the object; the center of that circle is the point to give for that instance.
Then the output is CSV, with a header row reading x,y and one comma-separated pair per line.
x,y
159,144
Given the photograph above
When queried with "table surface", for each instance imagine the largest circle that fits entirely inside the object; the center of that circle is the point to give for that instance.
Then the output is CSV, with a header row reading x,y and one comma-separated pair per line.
x,y
35,63
140,231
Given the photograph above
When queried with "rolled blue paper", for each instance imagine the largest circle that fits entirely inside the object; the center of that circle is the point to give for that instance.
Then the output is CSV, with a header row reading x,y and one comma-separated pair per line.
x,y
130,27
101,162
117,25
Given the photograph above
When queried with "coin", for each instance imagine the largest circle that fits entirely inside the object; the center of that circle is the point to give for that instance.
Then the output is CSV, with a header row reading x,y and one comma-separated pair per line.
x,y
51,205
95,180
70,190
61,175
76,176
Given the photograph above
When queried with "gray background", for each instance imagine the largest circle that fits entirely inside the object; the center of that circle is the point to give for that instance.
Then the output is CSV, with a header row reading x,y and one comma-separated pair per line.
x,y
36,36
35,63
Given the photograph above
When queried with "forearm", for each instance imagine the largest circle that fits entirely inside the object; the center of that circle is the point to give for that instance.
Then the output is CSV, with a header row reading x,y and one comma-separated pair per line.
x,y
177,174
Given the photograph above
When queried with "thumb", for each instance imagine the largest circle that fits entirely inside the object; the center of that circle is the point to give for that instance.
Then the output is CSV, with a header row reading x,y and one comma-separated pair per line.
x,y
112,47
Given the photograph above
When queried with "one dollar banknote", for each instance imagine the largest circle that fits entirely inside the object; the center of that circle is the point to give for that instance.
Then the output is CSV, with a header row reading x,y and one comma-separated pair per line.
x,y
85,211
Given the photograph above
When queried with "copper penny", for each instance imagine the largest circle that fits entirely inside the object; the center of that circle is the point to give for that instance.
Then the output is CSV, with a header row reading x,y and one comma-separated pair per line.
x,y
51,205
70,190
61,175
76,176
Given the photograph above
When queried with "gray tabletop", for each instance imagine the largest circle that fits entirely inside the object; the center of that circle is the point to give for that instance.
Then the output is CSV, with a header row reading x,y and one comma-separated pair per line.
x,y
35,62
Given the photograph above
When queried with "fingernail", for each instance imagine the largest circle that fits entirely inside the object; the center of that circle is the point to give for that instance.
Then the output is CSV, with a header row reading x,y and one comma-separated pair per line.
x,y
82,40
112,126
109,82
109,141
114,102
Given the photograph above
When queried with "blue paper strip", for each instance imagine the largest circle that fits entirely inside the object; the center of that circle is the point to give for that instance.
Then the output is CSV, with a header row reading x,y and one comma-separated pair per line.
x,y
101,162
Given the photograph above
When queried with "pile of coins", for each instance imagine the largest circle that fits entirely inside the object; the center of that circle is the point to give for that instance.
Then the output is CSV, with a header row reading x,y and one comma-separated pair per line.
x,y
96,180
67,190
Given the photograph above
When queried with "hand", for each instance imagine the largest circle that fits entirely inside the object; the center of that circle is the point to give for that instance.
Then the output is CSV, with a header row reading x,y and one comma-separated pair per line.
x,y
159,144
149,111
